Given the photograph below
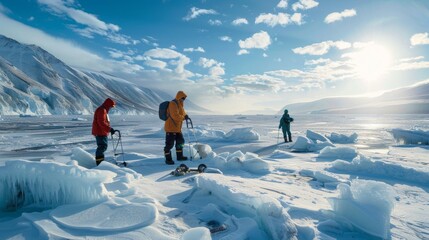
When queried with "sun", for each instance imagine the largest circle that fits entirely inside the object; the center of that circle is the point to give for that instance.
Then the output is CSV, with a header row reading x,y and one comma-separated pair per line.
x,y
371,62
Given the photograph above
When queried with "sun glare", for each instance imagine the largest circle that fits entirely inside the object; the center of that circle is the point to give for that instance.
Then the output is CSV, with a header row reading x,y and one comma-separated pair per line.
x,y
372,62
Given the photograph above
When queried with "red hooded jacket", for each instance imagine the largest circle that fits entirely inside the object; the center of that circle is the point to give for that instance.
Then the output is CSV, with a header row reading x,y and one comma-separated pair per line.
x,y
101,123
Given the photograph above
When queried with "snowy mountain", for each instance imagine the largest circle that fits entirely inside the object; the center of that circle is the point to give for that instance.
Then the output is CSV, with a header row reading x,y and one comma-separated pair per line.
x,y
33,81
408,100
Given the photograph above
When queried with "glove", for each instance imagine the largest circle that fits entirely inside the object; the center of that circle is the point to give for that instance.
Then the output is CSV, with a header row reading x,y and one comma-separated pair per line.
x,y
186,117
280,127
112,131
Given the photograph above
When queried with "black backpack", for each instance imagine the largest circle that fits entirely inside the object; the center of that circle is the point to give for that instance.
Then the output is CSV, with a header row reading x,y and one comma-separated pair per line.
x,y
163,108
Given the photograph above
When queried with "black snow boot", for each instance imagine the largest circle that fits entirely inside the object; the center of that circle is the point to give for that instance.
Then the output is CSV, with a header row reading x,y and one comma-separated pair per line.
x,y
99,160
168,159
180,157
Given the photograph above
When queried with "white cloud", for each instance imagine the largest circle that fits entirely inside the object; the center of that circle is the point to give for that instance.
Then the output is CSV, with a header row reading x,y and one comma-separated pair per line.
x,y
243,52
239,21
272,19
404,66
215,22
321,48
198,49
297,18
282,19
259,40
282,4
176,58
411,59
338,16
156,63
196,12
206,63
67,51
150,41
316,61
216,68
419,39
304,4
217,71
92,24
225,38
257,83
163,53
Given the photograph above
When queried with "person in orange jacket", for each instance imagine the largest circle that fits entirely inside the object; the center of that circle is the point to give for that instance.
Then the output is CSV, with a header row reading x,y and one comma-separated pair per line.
x,y
173,128
101,128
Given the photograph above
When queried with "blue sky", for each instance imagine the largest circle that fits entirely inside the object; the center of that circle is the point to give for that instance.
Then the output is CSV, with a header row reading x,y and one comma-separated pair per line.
x,y
235,56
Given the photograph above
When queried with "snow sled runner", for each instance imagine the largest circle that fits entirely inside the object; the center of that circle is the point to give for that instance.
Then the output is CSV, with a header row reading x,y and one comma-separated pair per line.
x,y
182,169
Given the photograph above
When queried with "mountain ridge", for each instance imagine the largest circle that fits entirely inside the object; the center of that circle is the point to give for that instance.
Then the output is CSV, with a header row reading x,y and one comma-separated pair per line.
x,y
35,82
413,99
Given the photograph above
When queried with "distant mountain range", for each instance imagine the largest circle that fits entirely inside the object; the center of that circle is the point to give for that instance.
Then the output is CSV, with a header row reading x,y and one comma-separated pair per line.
x,y
34,82
408,100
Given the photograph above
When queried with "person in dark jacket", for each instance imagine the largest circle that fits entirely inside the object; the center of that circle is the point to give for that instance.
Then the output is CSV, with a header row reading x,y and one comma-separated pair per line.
x,y
101,128
173,128
285,126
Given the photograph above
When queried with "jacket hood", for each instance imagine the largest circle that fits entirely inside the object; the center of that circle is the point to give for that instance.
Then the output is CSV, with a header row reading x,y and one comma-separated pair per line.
x,y
109,103
180,94
286,111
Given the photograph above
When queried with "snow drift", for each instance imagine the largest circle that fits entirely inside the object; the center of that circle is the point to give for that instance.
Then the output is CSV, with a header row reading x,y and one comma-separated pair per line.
x,y
49,184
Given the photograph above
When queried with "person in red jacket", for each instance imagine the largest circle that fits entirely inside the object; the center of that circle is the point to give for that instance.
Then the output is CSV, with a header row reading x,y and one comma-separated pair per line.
x,y
101,128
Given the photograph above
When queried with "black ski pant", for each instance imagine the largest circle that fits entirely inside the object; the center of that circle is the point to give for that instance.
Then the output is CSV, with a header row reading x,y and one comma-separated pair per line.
x,y
286,132
170,138
101,147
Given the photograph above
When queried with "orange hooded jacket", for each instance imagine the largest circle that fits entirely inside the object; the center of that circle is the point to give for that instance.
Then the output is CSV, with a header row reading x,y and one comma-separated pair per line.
x,y
101,123
176,114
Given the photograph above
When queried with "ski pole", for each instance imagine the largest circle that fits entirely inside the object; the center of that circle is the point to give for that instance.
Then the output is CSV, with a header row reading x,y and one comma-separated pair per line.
x,y
195,137
189,138
278,135
115,147
122,148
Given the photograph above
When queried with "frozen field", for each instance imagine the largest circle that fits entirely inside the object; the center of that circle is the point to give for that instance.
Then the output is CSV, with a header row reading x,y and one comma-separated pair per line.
x,y
267,190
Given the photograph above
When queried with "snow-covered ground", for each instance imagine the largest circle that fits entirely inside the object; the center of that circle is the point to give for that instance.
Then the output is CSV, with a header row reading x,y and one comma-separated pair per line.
x,y
344,177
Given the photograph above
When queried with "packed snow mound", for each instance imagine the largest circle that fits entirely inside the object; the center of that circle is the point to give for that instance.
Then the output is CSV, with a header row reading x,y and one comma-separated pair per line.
x,y
279,154
200,233
205,132
342,138
411,136
83,158
49,184
249,162
242,135
305,144
316,136
325,178
362,165
236,227
107,216
198,151
272,217
366,205
334,153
